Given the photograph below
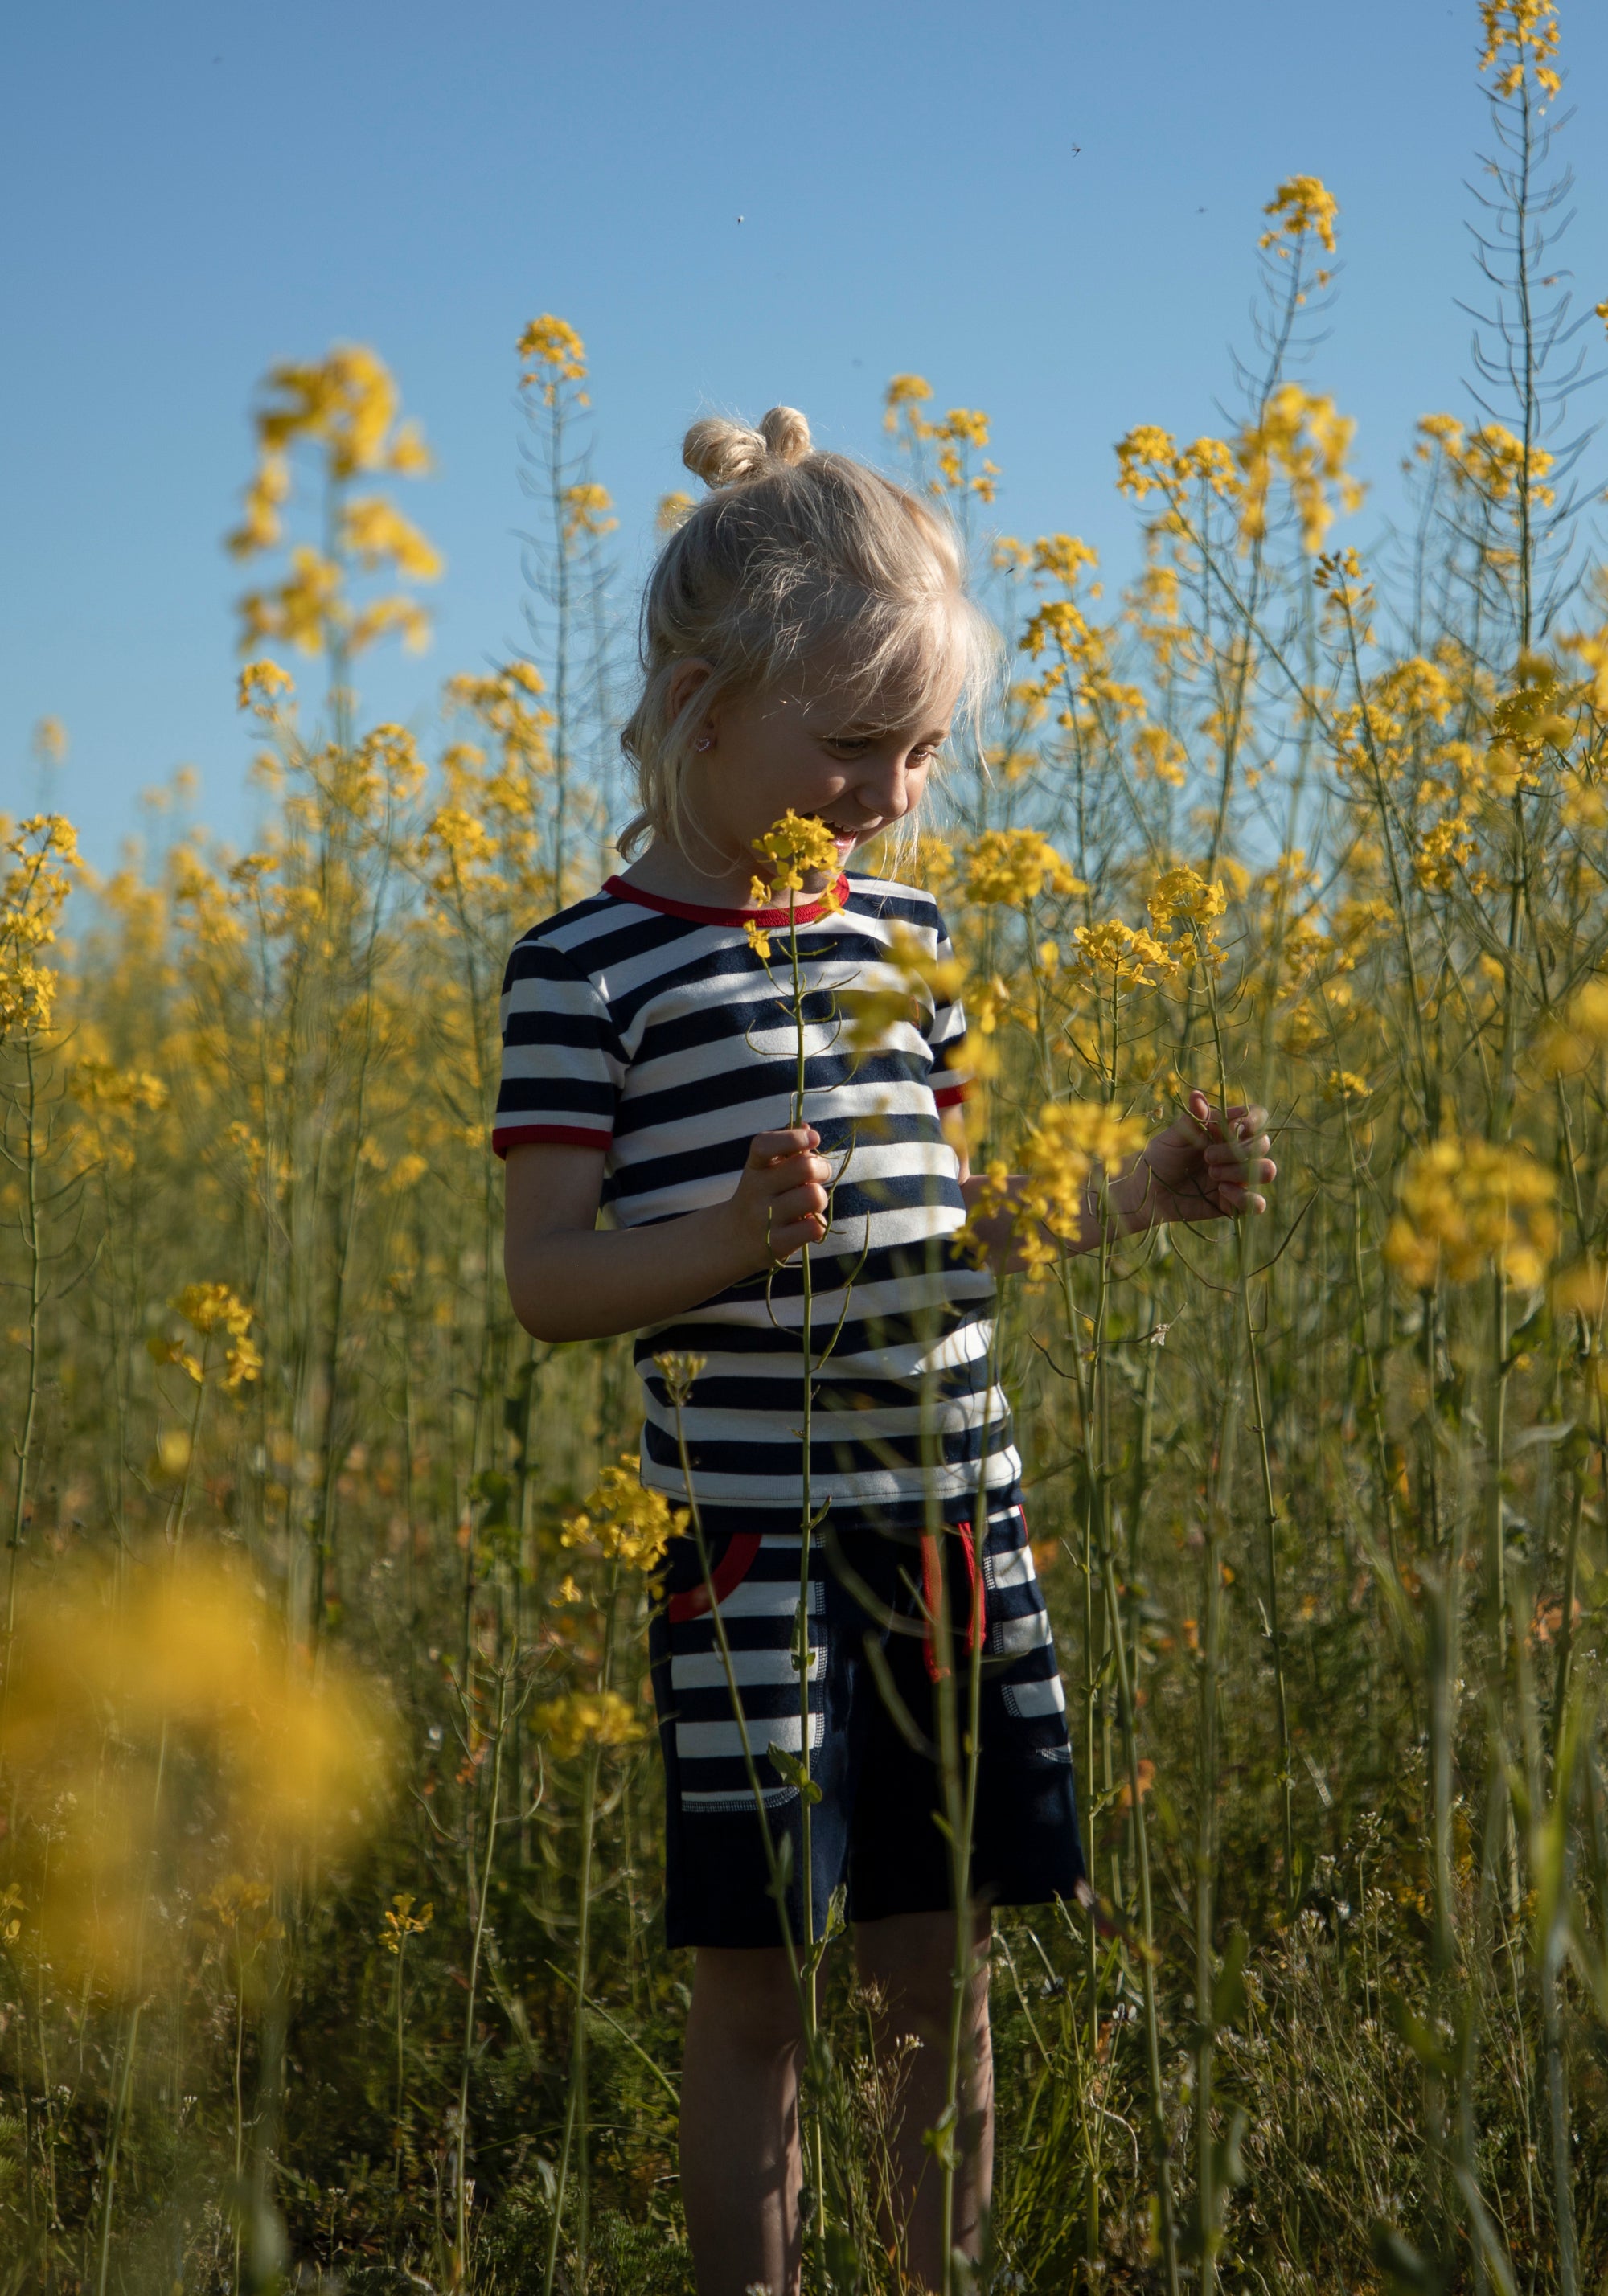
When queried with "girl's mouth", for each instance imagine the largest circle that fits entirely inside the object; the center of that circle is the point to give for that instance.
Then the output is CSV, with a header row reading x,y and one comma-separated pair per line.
x,y
845,840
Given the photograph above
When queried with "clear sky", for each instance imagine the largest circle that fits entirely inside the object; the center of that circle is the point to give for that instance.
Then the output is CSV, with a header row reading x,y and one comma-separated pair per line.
x,y
1048,207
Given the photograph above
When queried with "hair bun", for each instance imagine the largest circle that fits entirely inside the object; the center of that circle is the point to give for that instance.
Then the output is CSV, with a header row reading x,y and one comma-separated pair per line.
x,y
723,453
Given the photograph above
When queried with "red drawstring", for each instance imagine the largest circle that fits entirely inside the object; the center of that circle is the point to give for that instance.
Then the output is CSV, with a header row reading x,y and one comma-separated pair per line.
x,y
930,1593
728,1573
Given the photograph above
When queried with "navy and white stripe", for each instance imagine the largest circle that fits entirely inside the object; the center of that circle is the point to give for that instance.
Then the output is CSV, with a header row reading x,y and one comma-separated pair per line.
x,y
706,1728
652,1031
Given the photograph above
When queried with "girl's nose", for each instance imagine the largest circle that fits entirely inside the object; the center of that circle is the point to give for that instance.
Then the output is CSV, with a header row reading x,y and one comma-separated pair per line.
x,y
884,786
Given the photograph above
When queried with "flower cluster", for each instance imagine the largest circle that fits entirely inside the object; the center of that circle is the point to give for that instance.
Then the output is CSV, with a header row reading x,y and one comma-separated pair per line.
x,y
1521,36
1301,435
908,982
586,1718
554,353
1015,865
33,892
207,1309
1467,1205
344,407
622,1523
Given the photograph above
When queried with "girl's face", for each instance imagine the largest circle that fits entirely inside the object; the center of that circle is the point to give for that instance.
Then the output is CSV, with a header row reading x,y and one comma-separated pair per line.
x,y
768,753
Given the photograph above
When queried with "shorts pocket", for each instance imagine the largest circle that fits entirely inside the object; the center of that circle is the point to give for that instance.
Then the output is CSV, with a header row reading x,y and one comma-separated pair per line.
x,y
735,1562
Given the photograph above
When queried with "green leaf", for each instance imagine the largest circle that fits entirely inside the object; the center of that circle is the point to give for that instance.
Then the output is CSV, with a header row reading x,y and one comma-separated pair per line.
x,y
795,1772
842,2261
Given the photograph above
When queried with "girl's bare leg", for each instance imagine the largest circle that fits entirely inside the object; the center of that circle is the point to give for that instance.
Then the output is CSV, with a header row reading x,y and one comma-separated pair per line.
x,y
740,2164
909,1958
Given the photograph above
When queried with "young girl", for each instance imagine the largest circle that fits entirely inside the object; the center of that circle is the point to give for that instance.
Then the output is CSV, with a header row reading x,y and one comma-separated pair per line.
x,y
807,639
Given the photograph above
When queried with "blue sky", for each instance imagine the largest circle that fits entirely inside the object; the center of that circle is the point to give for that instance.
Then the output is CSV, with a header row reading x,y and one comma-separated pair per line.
x,y
193,191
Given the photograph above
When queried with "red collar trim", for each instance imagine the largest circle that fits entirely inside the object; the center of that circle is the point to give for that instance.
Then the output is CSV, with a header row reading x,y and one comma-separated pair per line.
x,y
767,919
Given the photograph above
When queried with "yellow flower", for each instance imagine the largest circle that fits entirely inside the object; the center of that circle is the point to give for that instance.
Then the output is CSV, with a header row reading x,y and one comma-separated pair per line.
x,y
1489,462
1183,896
903,987
586,504
1521,36
673,509
1112,952
1467,1206
1148,461
399,1922
586,1718
261,684
1159,756
1302,204
1302,435
622,1523
1015,865
554,353
208,1308
1067,1151
905,393
1572,1042
796,847
376,533
180,1653
50,740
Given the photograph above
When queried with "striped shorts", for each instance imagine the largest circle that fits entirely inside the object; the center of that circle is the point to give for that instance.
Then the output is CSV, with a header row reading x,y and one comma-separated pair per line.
x,y
876,1680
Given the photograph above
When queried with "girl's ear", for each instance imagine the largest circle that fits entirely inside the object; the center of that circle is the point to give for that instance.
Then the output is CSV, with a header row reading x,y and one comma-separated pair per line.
x,y
685,680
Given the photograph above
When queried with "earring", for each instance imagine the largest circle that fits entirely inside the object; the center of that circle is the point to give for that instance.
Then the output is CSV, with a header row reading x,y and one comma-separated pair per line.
x,y
702,743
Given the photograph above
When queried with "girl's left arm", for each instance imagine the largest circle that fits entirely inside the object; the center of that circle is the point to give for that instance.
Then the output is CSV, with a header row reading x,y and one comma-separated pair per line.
x,y
1205,1165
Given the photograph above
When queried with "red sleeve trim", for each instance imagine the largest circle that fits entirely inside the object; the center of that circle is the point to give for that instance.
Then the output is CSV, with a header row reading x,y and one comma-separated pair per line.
x,y
950,1095
546,1136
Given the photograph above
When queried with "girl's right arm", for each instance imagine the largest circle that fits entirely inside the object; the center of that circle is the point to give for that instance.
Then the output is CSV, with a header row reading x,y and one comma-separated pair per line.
x,y
568,1279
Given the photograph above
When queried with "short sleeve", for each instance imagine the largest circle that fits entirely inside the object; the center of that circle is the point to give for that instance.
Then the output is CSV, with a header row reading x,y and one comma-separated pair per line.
x,y
951,1077
562,1064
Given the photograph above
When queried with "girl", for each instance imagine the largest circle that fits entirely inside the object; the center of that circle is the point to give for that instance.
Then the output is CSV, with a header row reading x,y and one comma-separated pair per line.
x,y
806,641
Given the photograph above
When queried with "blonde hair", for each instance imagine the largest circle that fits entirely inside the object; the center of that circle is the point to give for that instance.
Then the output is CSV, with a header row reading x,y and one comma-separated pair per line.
x,y
795,562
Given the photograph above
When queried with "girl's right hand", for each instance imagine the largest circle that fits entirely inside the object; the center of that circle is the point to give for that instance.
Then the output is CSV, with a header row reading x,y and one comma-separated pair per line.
x,y
779,1202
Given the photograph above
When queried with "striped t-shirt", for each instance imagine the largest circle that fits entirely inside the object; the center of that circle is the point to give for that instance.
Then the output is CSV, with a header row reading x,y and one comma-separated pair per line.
x,y
652,1030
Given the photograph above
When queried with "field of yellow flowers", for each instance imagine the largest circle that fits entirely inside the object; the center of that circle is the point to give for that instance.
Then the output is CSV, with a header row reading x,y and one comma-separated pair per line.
x,y
329,1812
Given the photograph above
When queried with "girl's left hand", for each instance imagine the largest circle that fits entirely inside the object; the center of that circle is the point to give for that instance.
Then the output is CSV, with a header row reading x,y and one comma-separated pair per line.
x,y
1205,1166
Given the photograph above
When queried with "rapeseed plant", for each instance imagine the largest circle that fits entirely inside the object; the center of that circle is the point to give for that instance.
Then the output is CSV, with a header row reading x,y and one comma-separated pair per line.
x,y
1320,1518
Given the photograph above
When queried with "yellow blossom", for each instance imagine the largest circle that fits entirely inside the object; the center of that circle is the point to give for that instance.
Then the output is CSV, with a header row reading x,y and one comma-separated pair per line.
x,y
554,353
1302,205
1112,953
796,847
1015,865
1468,1205
1521,36
262,684
1303,436
586,1718
399,1922
622,1523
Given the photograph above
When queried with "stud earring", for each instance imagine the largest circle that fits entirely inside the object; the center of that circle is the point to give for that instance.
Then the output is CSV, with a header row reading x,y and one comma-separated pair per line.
x,y
702,743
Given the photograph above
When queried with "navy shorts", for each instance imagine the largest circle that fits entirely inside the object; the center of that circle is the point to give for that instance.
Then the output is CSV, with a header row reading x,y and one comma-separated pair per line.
x,y
872,1831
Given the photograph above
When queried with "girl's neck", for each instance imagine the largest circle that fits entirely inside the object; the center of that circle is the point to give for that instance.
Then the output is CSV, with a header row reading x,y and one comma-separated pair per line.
x,y
664,869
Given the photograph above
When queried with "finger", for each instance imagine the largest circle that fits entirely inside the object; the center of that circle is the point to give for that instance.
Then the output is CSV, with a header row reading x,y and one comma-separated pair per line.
x,y
1198,1108
801,1170
787,1236
769,1148
1238,1157
1241,1121
807,1202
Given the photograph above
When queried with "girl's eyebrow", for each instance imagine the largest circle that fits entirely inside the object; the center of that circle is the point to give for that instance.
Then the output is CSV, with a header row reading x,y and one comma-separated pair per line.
x,y
868,730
